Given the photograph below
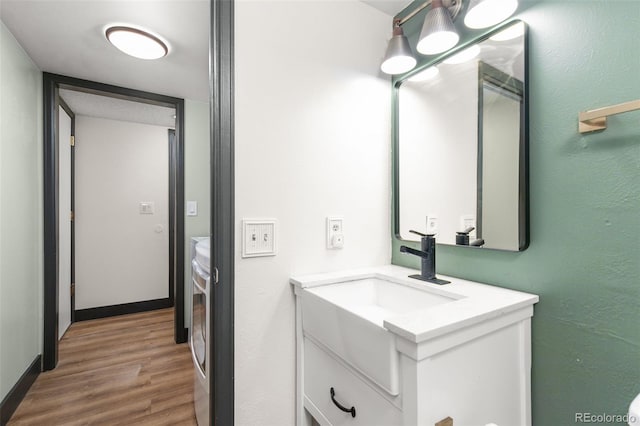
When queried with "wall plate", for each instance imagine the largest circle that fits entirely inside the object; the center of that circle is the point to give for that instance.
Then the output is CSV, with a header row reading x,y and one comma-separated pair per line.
x,y
335,232
258,237
147,207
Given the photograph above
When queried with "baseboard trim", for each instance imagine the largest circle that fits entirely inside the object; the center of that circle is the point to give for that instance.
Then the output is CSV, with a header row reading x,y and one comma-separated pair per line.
x,y
19,390
182,336
123,309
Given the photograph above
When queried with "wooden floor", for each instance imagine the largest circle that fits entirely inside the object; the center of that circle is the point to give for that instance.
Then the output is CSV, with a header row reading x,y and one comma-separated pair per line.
x,y
123,370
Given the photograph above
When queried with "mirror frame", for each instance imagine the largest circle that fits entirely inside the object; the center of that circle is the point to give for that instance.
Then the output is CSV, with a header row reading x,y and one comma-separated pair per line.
x,y
523,199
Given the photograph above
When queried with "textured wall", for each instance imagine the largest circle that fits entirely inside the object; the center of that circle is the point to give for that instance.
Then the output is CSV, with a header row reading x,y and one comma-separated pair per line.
x,y
584,257
20,211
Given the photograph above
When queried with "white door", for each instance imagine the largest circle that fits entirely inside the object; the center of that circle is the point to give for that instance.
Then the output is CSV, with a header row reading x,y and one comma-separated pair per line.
x,y
64,222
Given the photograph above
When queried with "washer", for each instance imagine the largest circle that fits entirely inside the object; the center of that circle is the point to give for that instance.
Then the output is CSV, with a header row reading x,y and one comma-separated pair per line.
x,y
199,340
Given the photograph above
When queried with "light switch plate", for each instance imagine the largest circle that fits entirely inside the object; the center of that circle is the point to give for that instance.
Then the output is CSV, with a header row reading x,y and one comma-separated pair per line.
x,y
258,237
192,208
147,207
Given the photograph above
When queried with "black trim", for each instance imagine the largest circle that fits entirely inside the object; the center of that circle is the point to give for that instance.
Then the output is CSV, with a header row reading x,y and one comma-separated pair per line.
x,y
67,109
180,332
17,393
221,390
122,309
524,197
171,133
50,188
51,83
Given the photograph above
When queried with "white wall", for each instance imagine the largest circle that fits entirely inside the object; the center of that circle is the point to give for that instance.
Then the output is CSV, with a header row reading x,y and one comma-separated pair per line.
x,y
433,137
501,162
197,178
312,126
121,255
21,214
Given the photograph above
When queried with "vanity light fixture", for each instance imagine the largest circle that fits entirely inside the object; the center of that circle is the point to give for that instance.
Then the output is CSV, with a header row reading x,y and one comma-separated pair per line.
x,y
438,33
136,42
399,57
486,13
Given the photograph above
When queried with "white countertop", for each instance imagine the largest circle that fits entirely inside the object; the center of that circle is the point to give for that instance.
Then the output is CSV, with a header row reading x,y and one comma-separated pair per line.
x,y
475,302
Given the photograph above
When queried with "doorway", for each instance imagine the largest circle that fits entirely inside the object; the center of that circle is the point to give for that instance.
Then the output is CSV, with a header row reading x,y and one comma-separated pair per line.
x,y
54,219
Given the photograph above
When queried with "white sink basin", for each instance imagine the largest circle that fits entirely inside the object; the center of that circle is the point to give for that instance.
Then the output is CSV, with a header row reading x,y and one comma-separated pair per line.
x,y
348,318
376,299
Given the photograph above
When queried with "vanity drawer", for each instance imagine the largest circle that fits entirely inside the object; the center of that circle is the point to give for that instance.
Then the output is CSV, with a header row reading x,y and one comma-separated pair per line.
x,y
322,372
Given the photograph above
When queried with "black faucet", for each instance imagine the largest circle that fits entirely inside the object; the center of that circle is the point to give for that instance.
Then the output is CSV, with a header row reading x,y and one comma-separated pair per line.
x,y
427,256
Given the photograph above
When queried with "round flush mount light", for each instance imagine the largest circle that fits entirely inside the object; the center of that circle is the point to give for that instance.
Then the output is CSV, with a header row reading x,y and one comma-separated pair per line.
x,y
136,42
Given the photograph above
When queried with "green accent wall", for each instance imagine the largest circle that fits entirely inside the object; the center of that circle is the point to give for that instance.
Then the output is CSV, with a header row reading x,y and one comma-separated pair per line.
x,y
584,256
21,214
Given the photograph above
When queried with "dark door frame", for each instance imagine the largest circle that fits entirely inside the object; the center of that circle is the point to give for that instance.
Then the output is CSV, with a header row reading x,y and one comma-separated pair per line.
x,y
221,390
51,84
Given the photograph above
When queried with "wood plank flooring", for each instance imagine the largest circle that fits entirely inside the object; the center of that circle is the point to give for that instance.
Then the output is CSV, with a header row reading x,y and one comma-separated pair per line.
x,y
123,370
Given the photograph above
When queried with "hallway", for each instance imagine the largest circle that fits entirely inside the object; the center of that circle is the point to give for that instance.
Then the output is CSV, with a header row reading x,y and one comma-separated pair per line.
x,y
119,370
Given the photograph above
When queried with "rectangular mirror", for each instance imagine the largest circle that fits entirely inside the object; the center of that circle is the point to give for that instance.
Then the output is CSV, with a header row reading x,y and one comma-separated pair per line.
x,y
461,146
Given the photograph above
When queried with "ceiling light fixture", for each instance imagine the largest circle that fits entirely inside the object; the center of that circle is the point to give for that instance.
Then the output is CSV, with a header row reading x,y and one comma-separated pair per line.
x,y
399,58
136,42
486,13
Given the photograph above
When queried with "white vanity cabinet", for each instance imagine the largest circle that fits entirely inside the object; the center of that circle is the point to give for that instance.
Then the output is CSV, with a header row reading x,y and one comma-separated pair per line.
x,y
405,352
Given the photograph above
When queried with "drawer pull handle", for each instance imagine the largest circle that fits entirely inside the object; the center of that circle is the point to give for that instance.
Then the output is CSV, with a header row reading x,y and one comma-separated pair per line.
x,y
351,410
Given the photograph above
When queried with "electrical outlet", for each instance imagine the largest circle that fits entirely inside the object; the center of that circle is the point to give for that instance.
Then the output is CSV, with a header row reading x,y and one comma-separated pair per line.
x,y
432,224
335,233
468,221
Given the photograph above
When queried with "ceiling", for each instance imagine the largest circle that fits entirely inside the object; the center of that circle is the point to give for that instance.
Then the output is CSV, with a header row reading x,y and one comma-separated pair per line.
x,y
92,105
67,37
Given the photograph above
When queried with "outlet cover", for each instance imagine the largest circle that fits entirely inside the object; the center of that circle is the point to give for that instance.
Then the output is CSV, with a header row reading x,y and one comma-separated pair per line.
x,y
258,237
335,232
432,224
